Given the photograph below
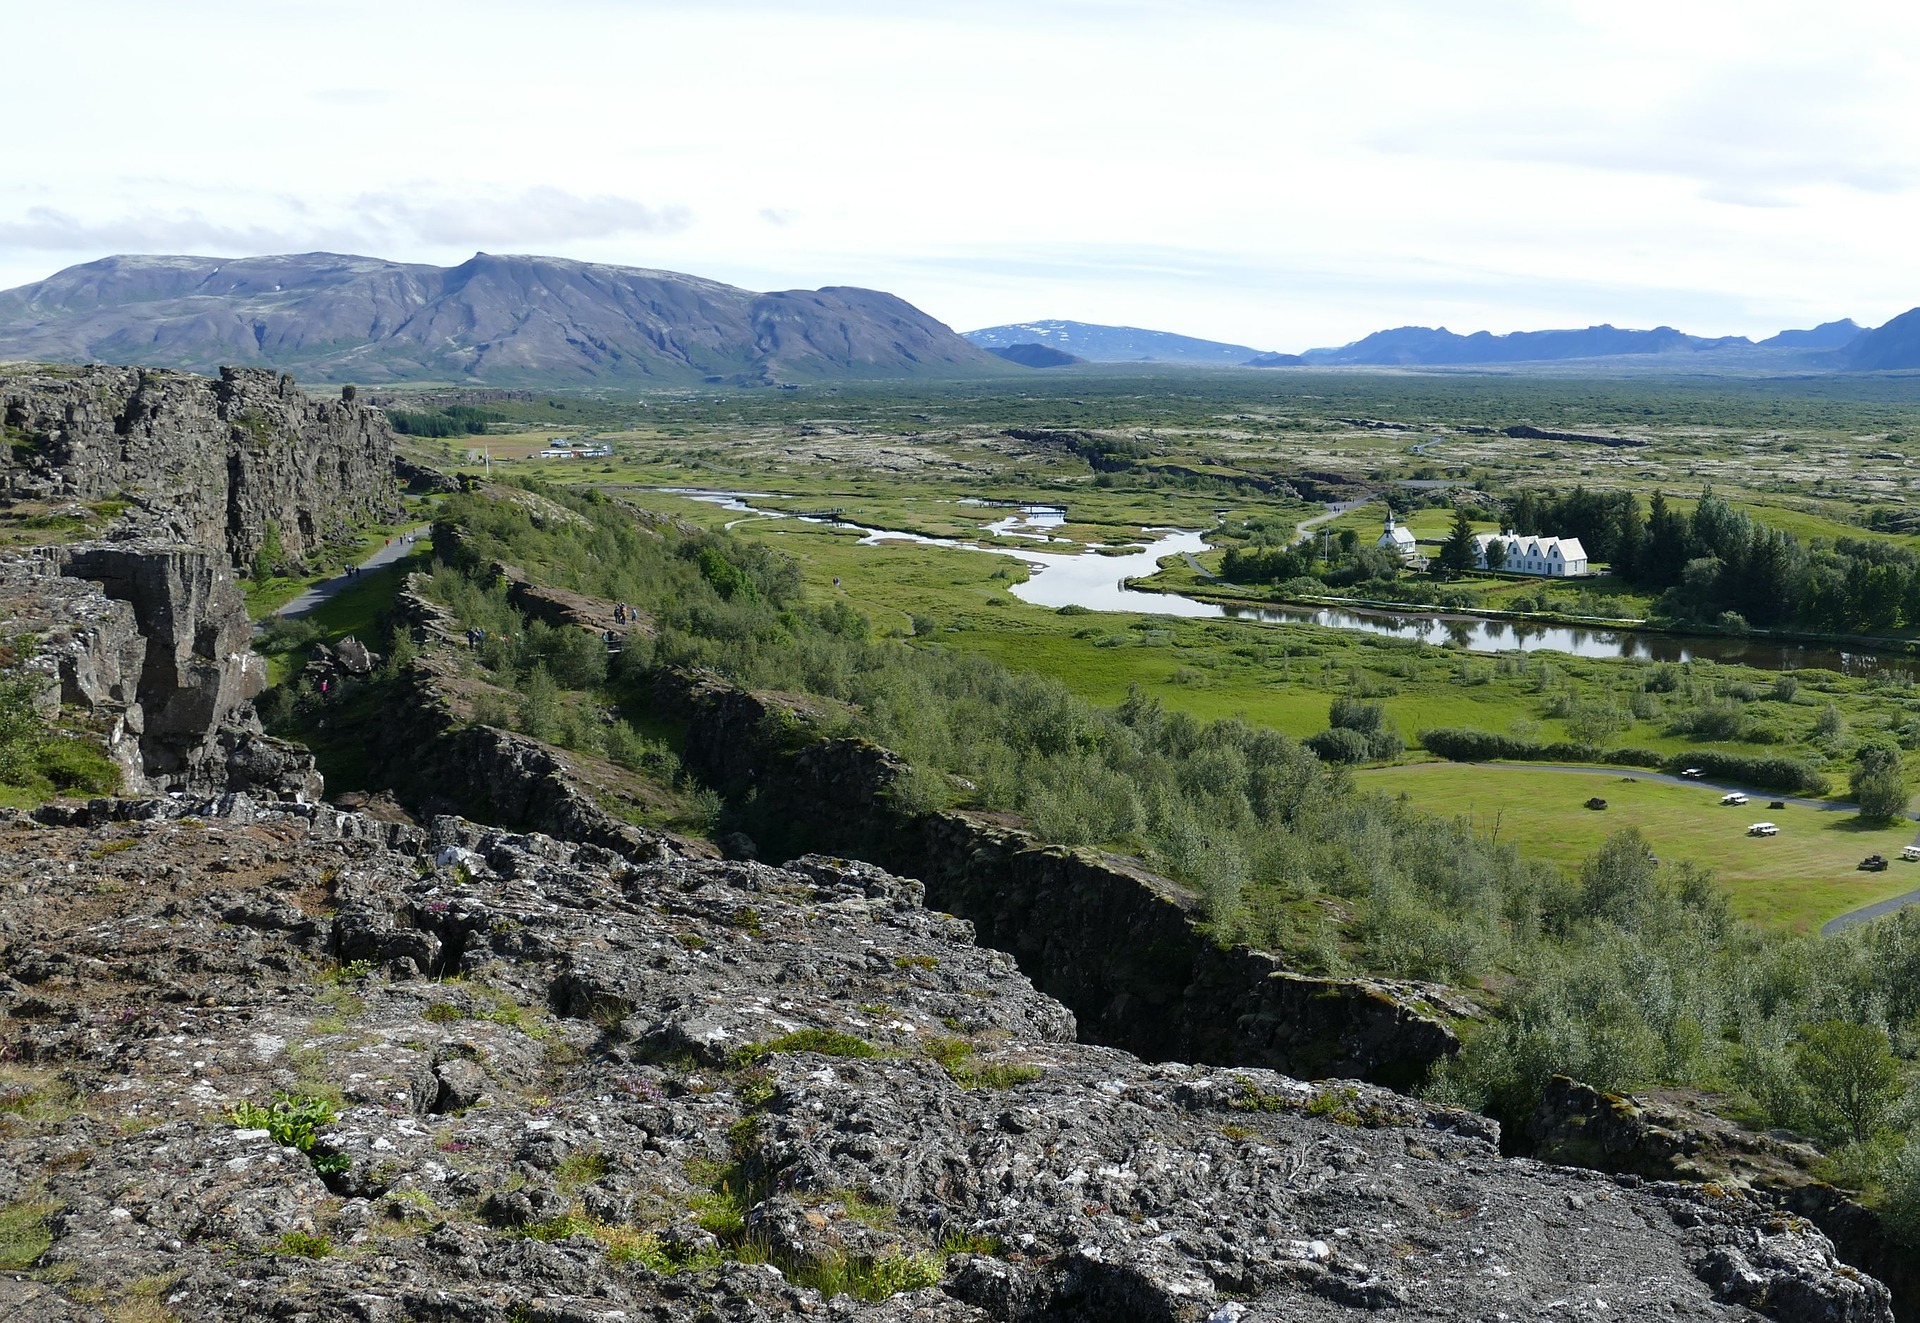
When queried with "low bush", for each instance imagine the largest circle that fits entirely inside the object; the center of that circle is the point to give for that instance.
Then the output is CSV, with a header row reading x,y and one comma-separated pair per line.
x,y
1765,771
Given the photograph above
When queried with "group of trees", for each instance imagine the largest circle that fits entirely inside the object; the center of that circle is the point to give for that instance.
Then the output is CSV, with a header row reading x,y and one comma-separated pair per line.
x,y
453,420
1717,560
1343,561
1357,732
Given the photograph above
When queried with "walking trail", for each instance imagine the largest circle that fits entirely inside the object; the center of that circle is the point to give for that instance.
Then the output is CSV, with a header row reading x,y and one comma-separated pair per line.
x,y
395,549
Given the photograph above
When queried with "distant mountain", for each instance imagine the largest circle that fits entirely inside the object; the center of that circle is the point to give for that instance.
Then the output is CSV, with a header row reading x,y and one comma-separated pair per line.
x,y
500,320
1437,345
1895,345
1037,356
1275,360
1113,344
1827,335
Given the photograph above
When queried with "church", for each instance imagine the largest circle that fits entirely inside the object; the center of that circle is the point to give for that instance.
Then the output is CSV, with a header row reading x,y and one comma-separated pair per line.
x,y
1399,540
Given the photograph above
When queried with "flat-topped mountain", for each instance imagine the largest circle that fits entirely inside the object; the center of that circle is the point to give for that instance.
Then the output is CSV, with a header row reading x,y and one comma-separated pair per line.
x,y
1438,345
495,319
1112,344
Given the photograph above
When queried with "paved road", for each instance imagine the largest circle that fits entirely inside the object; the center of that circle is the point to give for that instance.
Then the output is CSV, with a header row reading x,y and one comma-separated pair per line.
x,y
325,589
1854,918
1851,918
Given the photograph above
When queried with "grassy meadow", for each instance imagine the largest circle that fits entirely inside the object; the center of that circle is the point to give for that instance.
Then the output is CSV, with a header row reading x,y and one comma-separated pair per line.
x,y
1796,880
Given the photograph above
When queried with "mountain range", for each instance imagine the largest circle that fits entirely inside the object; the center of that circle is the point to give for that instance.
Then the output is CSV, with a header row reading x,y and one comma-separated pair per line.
x,y
506,320
1835,345
501,320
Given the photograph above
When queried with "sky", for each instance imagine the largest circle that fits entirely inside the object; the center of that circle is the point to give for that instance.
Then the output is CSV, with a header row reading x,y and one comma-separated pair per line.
x,y
1276,173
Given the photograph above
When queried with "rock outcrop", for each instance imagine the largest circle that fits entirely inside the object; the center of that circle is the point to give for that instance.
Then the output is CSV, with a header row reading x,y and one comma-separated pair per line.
x,y
1118,944
538,1081
151,643
238,462
437,760
1673,1139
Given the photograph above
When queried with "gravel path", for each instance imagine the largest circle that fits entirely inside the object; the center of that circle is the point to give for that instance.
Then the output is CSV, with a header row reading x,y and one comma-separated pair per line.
x,y
1304,529
306,602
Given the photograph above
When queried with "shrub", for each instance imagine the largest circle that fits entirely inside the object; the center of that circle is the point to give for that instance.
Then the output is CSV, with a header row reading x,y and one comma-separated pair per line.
x,y
1339,745
1851,1076
1901,1209
1767,771
1876,782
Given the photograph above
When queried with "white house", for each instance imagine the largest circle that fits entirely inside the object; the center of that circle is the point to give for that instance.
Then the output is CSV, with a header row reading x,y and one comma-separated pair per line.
x,y
1554,557
1399,541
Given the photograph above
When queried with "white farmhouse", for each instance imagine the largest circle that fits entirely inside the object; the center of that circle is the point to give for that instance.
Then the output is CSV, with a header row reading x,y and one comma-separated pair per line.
x,y
1554,557
1399,541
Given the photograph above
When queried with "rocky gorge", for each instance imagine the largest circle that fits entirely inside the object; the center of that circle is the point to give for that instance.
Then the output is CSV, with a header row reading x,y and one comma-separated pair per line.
x,y
524,1079
262,1057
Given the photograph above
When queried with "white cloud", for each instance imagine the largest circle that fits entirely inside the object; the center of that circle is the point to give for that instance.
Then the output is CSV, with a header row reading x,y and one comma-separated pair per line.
x,y
380,224
1274,172
537,215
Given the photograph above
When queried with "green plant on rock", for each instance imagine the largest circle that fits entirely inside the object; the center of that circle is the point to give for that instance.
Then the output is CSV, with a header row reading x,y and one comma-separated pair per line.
x,y
293,1121
305,1244
580,1168
827,1042
866,1277
24,1236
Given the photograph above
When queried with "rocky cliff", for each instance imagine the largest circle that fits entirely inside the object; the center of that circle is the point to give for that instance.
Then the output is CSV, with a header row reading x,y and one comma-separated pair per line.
x,y
149,643
438,759
1118,944
238,462
1674,1138
524,1080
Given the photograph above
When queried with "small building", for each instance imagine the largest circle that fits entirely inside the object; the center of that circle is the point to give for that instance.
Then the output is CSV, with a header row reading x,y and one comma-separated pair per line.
x,y
1527,553
1399,540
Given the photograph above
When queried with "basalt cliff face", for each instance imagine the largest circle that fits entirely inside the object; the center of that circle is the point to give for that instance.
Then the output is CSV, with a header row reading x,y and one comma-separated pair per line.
x,y
233,463
144,633
575,1086
148,644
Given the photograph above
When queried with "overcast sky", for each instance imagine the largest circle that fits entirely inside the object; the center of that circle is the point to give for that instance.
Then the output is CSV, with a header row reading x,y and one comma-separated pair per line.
x,y
1280,173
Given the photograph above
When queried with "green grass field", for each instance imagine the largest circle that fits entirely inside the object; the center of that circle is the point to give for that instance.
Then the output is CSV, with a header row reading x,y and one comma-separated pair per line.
x,y
1798,879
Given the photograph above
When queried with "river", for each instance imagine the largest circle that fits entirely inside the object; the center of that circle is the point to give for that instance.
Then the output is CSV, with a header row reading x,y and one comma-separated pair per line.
x,y
1098,582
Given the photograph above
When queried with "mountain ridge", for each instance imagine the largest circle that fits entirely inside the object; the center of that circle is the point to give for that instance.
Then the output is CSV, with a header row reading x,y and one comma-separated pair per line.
x,y
496,319
1424,345
1097,343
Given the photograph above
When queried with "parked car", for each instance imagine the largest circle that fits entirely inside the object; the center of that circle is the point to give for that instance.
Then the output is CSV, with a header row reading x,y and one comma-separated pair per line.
x,y
1873,863
1735,798
1695,772
1763,829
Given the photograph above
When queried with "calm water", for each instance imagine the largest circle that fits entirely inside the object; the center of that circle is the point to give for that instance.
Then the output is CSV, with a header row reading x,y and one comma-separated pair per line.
x,y
1099,583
